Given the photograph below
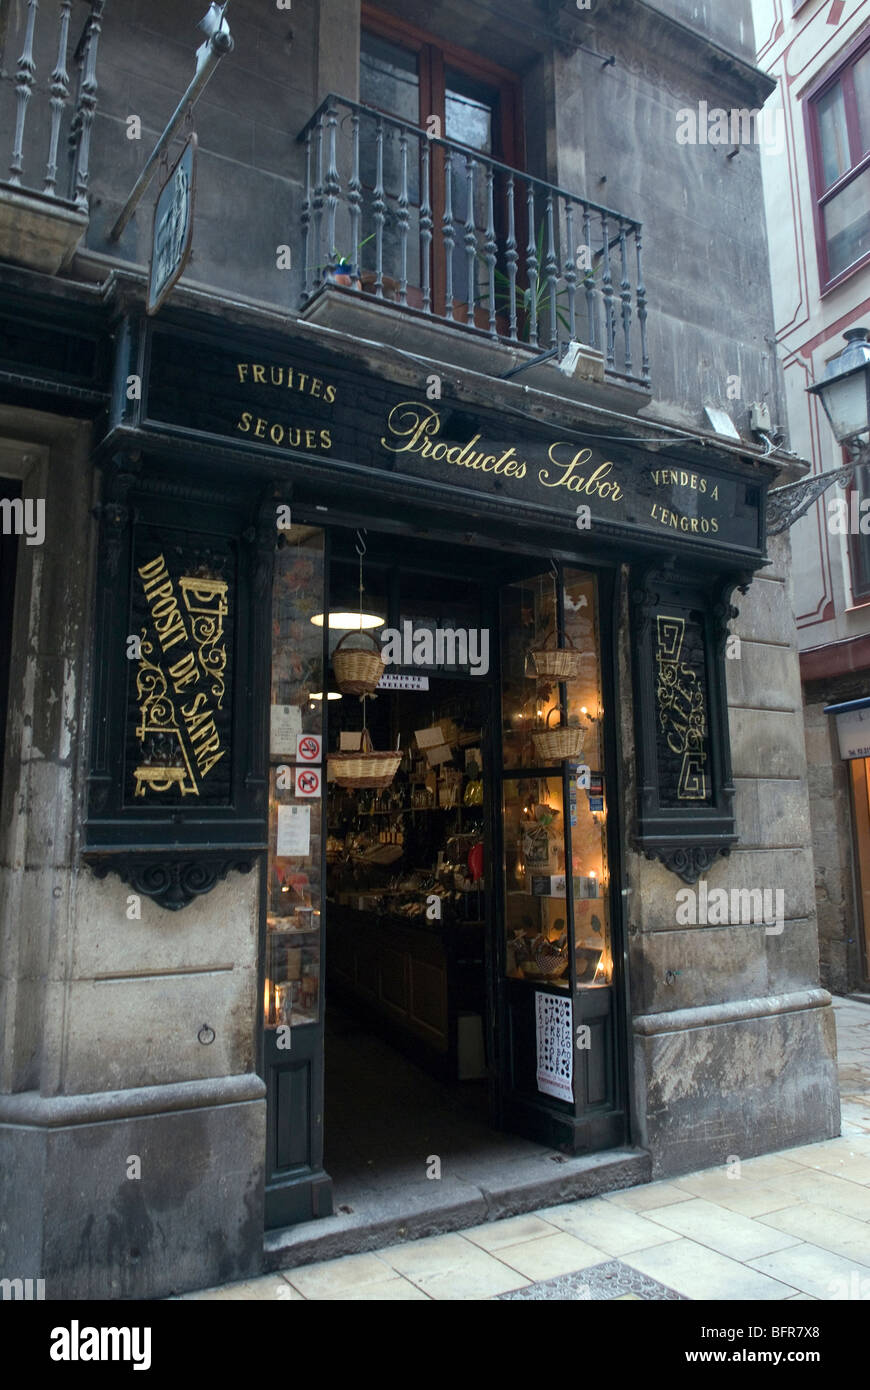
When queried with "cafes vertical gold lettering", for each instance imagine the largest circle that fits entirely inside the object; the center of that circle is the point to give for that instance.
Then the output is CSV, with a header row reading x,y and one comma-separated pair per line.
x,y
682,716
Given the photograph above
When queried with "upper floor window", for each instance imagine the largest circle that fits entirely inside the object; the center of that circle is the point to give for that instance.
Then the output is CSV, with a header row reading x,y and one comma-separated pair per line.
x,y
838,117
446,91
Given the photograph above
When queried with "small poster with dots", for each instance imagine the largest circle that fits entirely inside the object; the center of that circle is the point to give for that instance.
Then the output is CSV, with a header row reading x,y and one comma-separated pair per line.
x,y
554,1030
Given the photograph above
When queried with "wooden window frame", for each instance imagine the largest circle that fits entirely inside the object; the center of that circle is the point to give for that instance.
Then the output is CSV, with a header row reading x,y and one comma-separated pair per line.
x,y
861,159
434,56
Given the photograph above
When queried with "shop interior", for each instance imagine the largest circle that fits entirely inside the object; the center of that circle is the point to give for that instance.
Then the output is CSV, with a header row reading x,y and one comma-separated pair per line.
x,y
408,881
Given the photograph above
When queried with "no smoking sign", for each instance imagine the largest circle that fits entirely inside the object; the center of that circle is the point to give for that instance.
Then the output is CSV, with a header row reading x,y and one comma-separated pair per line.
x,y
308,781
309,748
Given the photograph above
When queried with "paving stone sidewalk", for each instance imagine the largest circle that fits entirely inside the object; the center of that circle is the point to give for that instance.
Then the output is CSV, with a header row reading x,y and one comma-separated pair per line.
x,y
791,1225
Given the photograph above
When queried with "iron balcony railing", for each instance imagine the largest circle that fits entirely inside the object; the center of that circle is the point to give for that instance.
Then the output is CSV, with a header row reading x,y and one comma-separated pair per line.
x,y
438,227
56,91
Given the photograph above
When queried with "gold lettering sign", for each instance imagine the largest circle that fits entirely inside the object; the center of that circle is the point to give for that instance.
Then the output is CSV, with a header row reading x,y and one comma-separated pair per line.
x,y
283,431
414,429
181,742
682,716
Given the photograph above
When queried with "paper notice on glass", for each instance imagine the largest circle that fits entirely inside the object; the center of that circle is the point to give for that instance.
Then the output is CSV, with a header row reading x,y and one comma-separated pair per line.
x,y
286,723
294,831
555,1039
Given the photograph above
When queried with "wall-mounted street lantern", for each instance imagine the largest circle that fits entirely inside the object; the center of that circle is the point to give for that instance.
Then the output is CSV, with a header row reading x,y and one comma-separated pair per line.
x,y
845,391
845,397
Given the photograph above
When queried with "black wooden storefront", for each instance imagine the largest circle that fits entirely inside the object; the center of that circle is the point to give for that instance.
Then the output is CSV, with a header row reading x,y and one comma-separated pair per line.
x,y
209,429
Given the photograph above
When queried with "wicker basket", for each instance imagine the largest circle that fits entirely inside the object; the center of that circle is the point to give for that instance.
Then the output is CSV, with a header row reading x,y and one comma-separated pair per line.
x,y
363,768
551,962
561,663
357,671
554,745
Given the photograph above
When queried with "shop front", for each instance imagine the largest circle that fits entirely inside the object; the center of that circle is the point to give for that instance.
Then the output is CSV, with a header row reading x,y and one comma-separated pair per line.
x,y
439,834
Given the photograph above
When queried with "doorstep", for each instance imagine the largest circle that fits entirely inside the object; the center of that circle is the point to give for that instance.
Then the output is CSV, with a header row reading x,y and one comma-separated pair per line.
x,y
510,1189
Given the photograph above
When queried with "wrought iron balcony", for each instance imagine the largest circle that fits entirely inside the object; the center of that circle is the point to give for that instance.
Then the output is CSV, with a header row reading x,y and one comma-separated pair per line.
x,y
33,197
442,229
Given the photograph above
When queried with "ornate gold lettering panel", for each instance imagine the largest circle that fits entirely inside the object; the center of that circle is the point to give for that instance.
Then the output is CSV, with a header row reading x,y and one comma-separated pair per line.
x,y
182,727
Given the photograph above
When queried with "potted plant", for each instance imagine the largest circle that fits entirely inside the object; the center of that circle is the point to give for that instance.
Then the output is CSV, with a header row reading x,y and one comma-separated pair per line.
x,y
341,271
542,295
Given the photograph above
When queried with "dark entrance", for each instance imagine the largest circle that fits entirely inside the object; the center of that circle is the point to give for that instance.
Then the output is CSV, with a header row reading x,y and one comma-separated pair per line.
x,y
461,916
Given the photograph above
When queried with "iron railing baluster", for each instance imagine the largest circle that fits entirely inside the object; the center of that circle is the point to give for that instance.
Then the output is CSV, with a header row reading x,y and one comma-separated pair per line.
x,y
59,97
25,74
448,233
403,218
491,250
332,184
426,225
570,271
309,278
532,268
625,295
354,193
607,284
551,272
87,104
640,296
511,259
379,208
470,239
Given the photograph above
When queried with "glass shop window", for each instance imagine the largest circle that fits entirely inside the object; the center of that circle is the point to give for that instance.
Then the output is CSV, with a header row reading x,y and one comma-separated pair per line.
x,y
557,919
293,915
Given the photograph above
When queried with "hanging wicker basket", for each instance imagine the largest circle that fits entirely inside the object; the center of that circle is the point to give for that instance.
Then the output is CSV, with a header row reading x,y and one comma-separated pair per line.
x,y
357,671
363,768
561,663
551,961
555,745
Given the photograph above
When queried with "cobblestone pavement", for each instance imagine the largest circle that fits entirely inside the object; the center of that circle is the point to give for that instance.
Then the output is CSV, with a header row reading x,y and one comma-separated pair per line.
x,y
790,1225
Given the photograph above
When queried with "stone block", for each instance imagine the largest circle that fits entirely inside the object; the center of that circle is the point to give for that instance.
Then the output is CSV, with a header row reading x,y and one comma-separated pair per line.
x,y
193,1219
764,677
122,1033
767,741
214,932
765,614
771,813
652,904
741,1088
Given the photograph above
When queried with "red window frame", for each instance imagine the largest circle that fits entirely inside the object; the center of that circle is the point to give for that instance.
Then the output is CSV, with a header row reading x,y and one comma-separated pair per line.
x,y
861,160
434,56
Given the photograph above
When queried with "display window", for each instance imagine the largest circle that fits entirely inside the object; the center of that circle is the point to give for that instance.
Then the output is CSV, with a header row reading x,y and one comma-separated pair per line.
x,y
556,880
291,991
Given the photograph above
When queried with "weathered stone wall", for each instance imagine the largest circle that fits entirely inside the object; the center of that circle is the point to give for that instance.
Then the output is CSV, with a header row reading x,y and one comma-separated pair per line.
x,y
99,1011
605,133
705,248
734,1043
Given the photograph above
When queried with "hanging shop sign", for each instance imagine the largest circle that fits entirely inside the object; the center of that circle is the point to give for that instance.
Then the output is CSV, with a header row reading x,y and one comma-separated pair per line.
x,y
172,235
318,406
685,812
853,727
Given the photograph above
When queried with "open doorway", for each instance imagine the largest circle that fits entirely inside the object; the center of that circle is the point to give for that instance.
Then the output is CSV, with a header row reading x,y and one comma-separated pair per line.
x,y
442,985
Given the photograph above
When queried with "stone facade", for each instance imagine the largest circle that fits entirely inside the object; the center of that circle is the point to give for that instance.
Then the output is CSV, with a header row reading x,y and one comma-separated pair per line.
x,y
727,1017
102,1011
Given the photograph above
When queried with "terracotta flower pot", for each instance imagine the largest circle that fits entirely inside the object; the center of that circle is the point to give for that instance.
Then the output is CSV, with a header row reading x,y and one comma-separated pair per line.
x,y
342,275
